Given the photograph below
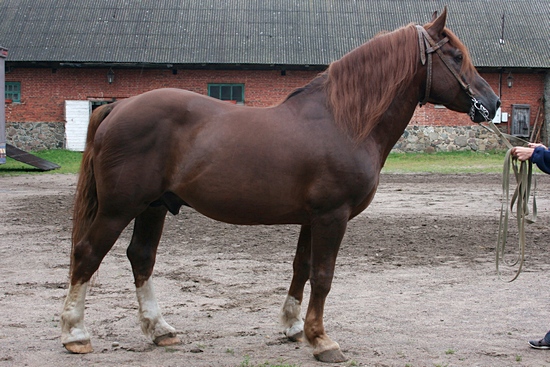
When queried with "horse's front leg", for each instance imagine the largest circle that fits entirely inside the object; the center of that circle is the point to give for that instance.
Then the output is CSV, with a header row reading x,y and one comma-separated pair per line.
x,y
327,234
142,254
291,311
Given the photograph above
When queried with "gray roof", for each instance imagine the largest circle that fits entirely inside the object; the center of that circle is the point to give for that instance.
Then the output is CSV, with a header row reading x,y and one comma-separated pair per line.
x,y
280,32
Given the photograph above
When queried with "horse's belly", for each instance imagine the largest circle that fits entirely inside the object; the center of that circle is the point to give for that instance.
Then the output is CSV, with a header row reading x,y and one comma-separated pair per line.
x,y
242,198
267,173
248,211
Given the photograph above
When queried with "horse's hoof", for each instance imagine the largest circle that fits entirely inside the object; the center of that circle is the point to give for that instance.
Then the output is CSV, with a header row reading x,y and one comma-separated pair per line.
x,y
167,340
295,334
81,347
331,356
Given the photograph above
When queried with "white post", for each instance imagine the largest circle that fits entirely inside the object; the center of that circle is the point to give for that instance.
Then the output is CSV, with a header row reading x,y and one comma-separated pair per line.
x,y
3,55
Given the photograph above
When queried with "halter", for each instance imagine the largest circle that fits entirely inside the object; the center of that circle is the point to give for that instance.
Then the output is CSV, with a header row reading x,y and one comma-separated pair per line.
x,y
427,47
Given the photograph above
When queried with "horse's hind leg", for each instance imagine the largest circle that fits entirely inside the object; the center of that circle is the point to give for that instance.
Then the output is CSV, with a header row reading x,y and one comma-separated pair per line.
x,y
291,311
142,254
86,258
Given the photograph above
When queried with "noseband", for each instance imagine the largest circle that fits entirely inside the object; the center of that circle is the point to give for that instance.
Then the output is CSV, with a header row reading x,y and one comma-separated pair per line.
x,y
427,47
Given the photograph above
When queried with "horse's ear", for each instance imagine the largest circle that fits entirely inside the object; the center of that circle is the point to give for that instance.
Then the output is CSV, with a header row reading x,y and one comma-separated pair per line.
x,y
434,16
438,22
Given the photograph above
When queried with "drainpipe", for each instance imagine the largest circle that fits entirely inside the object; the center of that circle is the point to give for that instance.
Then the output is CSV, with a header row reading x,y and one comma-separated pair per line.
x,y
546,104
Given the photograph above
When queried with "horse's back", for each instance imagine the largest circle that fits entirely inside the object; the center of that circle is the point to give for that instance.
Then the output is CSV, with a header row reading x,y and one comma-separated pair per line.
x,y
155,118
169,102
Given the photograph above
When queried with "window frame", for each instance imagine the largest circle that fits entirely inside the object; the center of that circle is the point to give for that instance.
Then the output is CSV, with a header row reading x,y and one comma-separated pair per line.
x,y
9,94
232,98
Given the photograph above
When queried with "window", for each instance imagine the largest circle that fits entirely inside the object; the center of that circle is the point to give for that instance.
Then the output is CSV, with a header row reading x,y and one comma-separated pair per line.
x,y
227,92
96,103
13,91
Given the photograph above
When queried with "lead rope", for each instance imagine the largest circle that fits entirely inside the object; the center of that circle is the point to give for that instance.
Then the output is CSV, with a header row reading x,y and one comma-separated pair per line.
x,y
523,173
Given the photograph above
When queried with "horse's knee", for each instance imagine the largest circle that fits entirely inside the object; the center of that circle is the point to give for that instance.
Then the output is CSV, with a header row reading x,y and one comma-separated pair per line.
x,y
139,254
321,284
142,260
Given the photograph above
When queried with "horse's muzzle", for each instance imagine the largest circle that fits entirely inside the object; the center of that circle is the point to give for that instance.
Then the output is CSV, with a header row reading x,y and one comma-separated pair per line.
x,y
479,113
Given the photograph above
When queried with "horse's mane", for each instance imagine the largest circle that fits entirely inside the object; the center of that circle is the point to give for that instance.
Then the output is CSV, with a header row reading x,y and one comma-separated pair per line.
x,y
364,82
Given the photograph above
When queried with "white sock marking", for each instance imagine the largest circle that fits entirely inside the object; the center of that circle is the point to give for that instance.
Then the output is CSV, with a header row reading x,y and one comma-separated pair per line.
x,y
72,316
150,317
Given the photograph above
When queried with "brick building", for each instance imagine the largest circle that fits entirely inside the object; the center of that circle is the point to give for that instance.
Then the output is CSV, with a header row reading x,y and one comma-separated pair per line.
x,y
62,54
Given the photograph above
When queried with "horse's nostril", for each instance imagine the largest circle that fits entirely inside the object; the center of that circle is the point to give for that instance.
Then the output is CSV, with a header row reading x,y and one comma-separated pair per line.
x,y
498,103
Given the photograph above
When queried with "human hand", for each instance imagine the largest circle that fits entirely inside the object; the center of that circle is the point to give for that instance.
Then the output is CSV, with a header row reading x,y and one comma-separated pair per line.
x,y
523,153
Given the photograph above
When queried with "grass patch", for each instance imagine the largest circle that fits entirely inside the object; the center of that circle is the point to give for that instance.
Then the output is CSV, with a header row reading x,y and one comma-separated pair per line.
x,y
440,162
68,160
445,162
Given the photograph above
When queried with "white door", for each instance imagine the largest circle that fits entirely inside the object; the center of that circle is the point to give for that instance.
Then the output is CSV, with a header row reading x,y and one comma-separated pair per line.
x,y
77,116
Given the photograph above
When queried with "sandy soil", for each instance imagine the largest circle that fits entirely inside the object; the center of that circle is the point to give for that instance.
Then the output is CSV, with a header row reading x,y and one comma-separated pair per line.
x,y
415,283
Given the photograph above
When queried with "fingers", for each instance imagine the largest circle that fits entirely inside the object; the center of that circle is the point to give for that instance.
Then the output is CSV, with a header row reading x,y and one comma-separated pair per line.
x,y
522,153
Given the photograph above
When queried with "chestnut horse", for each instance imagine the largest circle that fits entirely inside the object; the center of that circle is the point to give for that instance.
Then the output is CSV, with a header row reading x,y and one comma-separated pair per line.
x,y
313,160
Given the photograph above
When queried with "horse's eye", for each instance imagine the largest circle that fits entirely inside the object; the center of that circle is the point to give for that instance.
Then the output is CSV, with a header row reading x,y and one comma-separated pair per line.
x,y
458,58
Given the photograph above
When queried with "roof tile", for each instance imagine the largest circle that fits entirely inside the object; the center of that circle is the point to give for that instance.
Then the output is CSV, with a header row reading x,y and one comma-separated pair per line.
x,y
295,32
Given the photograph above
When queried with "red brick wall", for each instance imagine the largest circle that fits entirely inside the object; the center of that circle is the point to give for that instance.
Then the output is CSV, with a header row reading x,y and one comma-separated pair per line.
x,y
43,92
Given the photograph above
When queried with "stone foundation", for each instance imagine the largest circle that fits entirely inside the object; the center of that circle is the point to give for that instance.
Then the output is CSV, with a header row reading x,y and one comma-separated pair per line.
x,y
33,136
431,139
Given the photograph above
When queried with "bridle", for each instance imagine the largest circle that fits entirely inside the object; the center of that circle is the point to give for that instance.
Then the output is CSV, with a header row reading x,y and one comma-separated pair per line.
x,y
427,47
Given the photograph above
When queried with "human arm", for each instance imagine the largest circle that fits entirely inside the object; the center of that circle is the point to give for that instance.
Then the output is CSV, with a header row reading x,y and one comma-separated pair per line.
x,y
537,153
541,157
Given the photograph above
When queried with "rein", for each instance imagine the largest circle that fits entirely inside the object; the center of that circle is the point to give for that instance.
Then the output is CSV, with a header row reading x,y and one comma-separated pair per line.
x,y
523,173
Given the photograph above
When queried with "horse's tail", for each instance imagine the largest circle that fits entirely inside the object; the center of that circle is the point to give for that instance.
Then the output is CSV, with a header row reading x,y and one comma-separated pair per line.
x,y
85,204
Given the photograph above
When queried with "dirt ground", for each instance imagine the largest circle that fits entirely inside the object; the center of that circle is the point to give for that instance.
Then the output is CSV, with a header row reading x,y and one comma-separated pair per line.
x,y
415,283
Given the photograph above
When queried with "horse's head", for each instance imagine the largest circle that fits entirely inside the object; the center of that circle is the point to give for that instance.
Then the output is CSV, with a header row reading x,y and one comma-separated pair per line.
x,y
452,79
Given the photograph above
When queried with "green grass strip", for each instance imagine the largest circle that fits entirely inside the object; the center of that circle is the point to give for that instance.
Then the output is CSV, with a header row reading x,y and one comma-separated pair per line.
x,y
440,162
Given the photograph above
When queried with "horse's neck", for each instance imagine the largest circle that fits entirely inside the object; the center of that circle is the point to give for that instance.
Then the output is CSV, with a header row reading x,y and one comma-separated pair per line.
x,y
391,126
